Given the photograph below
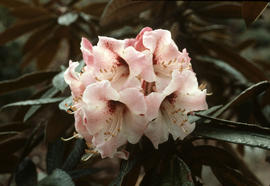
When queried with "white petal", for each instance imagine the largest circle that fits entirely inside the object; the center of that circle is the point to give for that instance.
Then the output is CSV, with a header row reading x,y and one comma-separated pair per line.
x,y
134,126
134,100
153,102
157,131
100,92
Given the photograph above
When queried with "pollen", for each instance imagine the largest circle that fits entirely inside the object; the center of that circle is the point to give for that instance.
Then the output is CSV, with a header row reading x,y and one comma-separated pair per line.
x,y
202,86
71,109
96,78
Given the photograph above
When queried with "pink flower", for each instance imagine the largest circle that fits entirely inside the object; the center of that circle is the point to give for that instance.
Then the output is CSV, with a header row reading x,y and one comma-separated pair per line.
x,y
109,103
175,91
133,87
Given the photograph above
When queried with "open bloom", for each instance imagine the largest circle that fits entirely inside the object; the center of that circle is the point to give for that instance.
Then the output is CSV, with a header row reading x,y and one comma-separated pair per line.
x,y
175,92
133,87
109,103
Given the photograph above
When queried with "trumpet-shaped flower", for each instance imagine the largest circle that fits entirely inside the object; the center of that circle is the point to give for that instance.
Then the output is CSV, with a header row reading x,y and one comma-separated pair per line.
x,y
175,92
133,87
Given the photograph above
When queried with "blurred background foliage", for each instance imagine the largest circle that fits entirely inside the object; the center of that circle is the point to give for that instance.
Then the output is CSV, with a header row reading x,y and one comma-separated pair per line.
x,y
229,44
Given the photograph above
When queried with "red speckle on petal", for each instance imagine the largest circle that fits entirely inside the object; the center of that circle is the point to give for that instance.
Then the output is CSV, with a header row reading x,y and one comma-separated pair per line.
x,y
120,61
155,60
85,120
108,46
172,98
112,106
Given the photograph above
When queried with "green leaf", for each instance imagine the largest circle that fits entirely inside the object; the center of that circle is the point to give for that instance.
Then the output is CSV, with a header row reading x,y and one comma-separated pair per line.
x,y
122,10
48,52
34,102
25,81
230,176
36,37
26,173
94,8
13,126
252,91
216,157
126,166
234,74
23,27
12,144
83,172
243,65
222,10
251,10
75,156
28,12
80,66
54,158
33,109
8,163
59,82
192,118
233,132
12,4
65,103
58,124
131,178
67,19
177,174
46,44
57,178
9,133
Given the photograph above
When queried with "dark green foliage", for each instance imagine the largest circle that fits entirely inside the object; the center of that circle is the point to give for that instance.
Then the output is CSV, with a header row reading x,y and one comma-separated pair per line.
x,y
177,173
57,178
211,31
26,173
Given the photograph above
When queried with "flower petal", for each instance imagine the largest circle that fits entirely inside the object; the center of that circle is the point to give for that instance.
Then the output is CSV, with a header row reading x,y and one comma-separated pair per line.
x,y
153,102
134,126
72,79
111,137
139,39
100,92
87,77
97,108
134,100
108,148
157,131
157,40
114,45
139,63
176,120
80,128
188,94
86,48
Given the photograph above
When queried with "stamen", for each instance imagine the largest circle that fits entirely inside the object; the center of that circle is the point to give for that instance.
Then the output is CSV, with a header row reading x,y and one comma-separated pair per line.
x,y
71,109
185,130
97,79
86,157
82,71
72,137
202,86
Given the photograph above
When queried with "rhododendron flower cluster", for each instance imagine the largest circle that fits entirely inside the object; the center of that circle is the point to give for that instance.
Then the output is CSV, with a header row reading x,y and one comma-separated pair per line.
x,y
133,87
